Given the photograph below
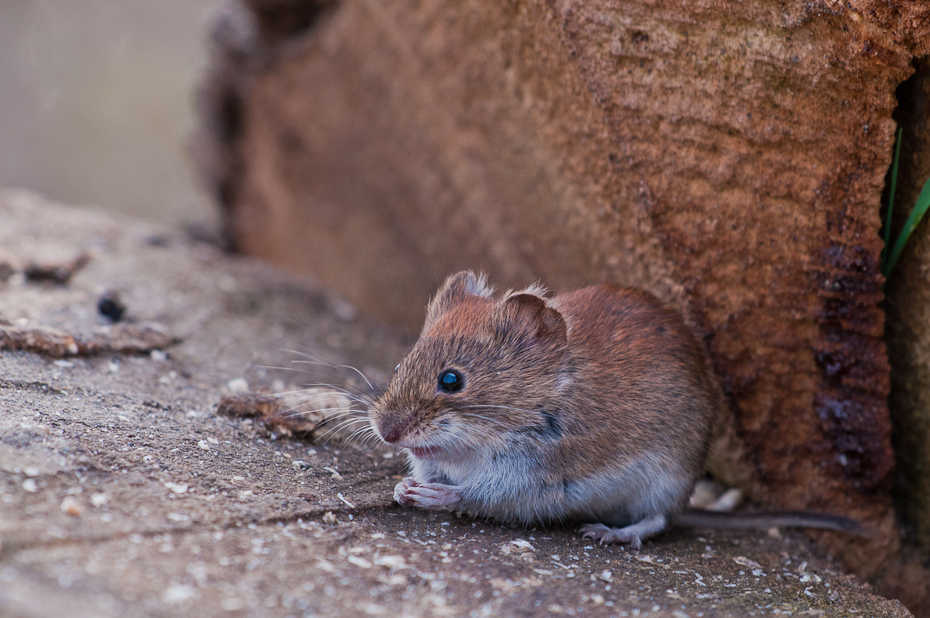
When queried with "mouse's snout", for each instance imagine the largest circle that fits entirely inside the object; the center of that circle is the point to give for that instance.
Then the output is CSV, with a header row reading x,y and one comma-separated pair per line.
x,y
392,427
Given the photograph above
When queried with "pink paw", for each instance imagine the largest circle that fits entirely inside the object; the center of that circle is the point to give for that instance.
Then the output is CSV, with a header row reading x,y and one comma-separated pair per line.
x,y
607,535
427,495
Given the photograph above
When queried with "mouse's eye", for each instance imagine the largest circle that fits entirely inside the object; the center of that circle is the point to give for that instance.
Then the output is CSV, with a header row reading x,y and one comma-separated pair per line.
x,y
451,381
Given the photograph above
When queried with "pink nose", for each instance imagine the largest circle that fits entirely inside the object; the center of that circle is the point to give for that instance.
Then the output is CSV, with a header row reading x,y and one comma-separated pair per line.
x,y
392,428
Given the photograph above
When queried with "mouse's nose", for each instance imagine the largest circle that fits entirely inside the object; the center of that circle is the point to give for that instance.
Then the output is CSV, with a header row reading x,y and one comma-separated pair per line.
x,y
391,428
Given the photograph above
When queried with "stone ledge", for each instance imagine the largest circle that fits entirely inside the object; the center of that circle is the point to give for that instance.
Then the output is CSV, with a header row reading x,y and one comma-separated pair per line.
x,y
123,493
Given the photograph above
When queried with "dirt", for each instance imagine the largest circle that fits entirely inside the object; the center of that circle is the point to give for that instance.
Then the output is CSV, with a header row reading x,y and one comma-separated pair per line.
x,y
123,492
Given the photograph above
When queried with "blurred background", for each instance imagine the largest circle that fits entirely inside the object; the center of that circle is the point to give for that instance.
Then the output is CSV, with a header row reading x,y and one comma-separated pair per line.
x,y
97,102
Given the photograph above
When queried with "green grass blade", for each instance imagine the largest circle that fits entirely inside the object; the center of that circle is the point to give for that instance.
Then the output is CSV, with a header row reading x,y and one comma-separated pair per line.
x,y
917,213
894,184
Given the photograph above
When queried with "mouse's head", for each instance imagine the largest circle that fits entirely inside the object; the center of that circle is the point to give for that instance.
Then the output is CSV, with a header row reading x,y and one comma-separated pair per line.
x,y
482,369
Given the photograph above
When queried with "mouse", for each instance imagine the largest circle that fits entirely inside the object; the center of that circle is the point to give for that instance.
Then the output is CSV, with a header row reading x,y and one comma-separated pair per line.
x,y
595,406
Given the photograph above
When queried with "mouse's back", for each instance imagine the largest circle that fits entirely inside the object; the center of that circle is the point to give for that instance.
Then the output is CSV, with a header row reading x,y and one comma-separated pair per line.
x,y
643,378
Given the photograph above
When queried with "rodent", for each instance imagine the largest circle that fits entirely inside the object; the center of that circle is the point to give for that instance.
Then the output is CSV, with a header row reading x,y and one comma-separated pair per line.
x,y
595,406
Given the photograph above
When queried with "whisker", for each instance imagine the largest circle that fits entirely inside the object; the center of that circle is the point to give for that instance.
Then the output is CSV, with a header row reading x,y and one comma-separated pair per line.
x,y
371,388
306,391
355,396
360,432
336,428
356,370
325,373
372,439
276,368
319,361
342,421
296,412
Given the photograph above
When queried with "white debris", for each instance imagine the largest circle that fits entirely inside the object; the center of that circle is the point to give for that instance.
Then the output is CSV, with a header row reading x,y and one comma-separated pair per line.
x,y
359,562
178,488
70,506
347,503
391,562
178,593
727,501
238,385
746,562
335,474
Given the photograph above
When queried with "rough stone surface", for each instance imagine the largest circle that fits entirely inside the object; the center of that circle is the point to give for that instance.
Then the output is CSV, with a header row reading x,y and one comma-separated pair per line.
x,y
728,157
122,492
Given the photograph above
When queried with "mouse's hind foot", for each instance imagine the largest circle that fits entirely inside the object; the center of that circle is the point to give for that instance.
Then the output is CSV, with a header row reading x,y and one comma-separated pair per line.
x,y
630,535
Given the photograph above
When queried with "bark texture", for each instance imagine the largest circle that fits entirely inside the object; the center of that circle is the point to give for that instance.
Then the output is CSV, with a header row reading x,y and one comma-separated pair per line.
x,y
729,157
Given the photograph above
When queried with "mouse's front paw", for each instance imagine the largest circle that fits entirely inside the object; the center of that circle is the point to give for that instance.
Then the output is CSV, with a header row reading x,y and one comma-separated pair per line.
x,y
427,495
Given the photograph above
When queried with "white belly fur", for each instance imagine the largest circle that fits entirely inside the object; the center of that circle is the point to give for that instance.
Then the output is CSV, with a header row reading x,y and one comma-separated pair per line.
x,y
514,489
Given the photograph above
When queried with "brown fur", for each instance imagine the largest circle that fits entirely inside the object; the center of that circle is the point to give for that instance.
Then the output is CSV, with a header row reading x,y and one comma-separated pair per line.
x,y
566,394
645,381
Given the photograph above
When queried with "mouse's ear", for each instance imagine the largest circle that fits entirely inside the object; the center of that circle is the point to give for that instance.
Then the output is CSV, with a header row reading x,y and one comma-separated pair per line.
x,y
456,288
527,315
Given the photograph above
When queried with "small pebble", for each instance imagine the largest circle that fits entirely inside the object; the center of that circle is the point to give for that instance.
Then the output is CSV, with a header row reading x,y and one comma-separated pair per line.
x,y
359,562
178,593
390,562
238,385
178,488
159,356
110,306
71,507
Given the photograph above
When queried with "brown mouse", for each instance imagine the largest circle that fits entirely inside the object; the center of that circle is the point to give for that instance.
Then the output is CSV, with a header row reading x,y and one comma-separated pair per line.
x,y
594,406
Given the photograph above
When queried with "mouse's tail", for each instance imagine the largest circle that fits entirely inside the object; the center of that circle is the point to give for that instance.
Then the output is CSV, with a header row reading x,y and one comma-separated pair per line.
x,y
699,518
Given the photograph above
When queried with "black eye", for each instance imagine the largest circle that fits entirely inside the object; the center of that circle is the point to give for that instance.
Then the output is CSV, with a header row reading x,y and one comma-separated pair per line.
x,y
451,381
